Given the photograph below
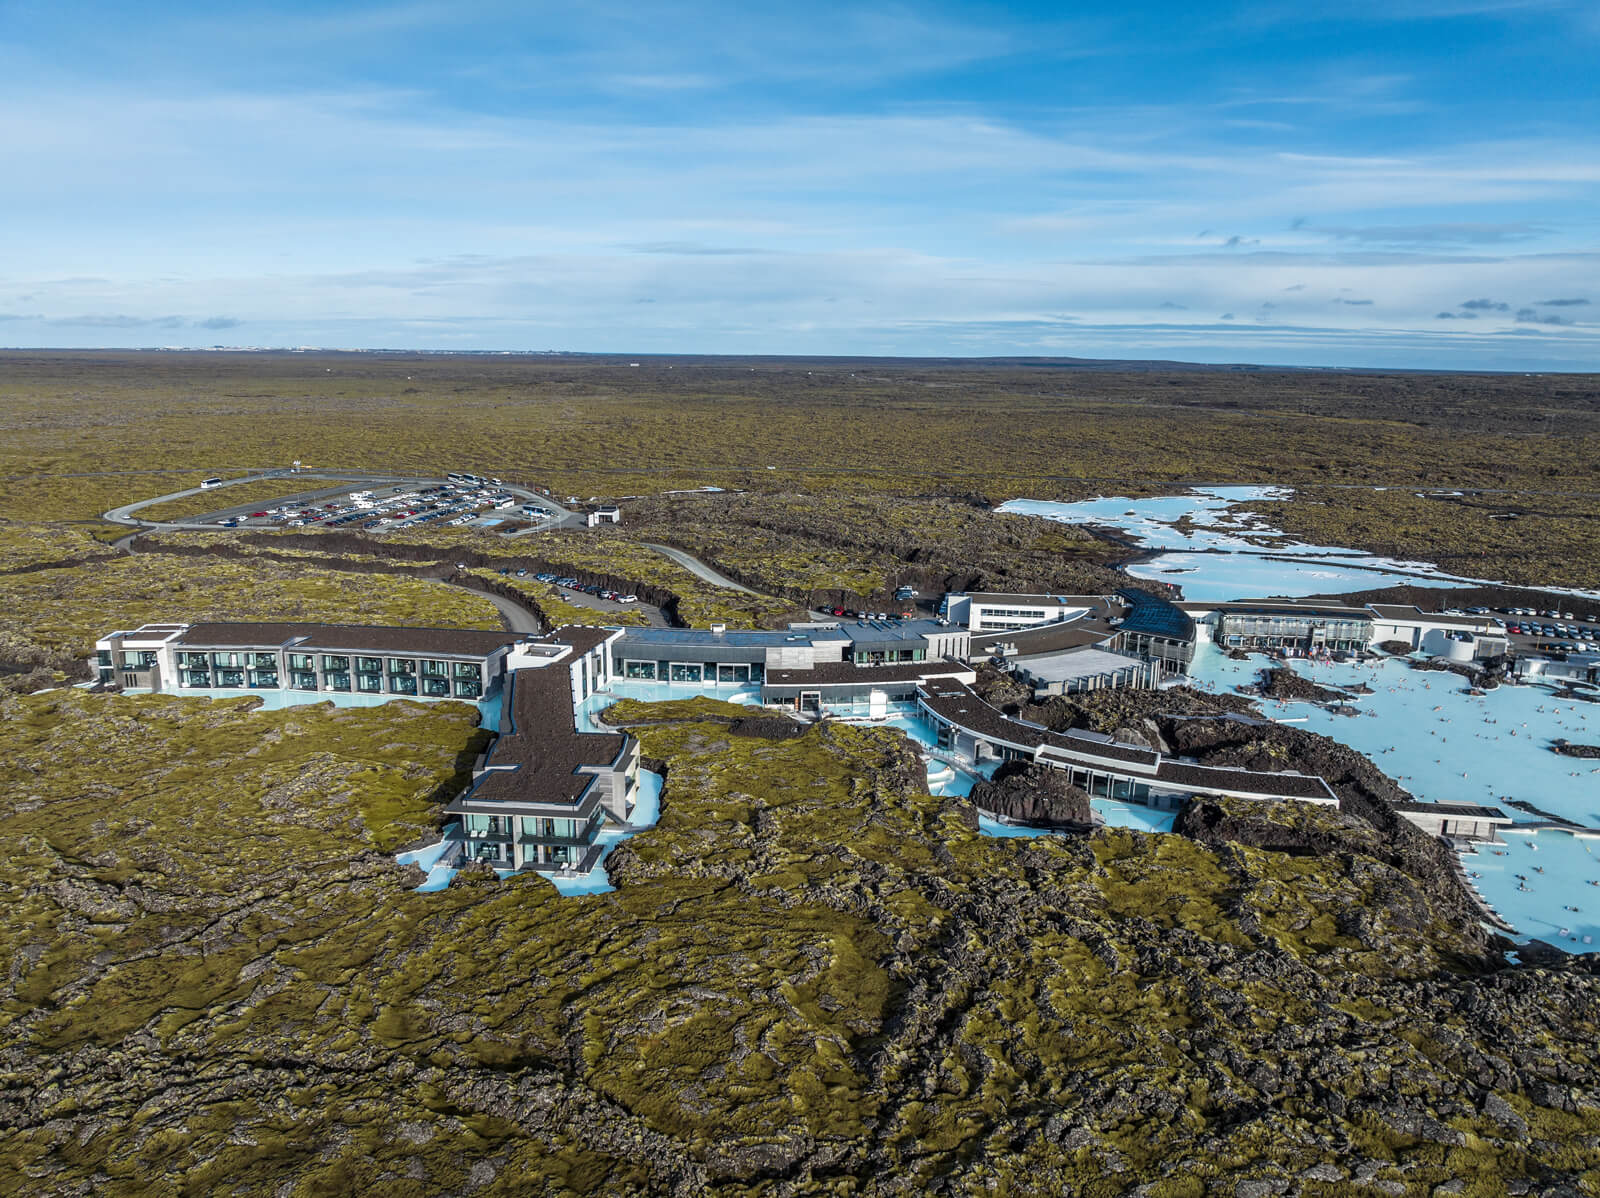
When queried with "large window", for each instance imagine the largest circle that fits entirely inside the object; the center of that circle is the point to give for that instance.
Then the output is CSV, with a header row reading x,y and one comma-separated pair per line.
x,y
264,678
300,661
103,657
434,669
469,669
194,677
263,661
436,688
233,661
303,680
138,659
226,677
402,665
369,665
728,673
338,680
369,684
466,688
638,669
333,663
193,661
402,684
685,672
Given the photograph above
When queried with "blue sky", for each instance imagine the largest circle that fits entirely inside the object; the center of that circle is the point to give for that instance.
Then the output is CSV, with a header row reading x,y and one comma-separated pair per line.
x,y
1413,183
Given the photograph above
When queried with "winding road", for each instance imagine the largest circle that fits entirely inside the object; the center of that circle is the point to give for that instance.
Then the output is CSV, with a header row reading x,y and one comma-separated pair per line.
x,y
699,569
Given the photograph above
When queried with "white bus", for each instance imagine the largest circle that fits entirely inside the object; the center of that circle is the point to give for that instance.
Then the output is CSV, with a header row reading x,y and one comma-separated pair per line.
x,y
208,483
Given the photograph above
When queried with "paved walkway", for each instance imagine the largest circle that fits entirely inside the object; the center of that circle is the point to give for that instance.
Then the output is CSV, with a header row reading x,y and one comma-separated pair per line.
x,y
699,569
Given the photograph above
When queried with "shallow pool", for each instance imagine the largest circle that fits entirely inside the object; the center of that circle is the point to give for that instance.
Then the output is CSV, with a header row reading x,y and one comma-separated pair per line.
x,y
278,700
1425,731
1419,727
1235,562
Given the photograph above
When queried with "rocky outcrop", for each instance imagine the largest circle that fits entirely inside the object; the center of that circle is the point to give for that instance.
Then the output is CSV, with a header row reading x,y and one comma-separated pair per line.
x,y
1281,682
773,727
1035,795
1568,749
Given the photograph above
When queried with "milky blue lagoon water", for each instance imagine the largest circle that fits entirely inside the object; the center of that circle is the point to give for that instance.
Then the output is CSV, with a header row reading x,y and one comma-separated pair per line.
x,y
1228,554
1419,727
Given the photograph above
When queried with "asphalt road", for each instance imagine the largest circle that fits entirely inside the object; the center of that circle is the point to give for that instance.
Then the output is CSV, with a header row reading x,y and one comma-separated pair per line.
x,y
517,619
699,569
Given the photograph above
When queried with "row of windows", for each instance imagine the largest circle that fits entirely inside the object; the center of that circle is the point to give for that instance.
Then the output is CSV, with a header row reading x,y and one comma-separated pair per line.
x,y
1020,613
330,663
227,678
691,671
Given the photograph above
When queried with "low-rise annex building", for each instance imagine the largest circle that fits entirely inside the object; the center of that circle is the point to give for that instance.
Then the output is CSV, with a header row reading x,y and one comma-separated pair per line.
x,y
542,792
545,789
428,663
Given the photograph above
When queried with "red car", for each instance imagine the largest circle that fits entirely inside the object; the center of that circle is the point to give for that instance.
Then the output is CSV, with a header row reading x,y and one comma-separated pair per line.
x,y
258,515
838,611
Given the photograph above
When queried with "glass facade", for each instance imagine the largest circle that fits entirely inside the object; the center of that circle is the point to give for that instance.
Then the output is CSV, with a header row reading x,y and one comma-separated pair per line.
x,y
332,663
1294,629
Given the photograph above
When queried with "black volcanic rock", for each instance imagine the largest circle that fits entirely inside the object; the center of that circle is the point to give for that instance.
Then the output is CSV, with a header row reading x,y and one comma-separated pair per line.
x,y
1036,795
1568,749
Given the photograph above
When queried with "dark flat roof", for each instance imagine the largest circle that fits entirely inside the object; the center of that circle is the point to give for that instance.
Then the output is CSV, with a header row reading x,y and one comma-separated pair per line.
x,y
699,637
581,637
1046,638
541,745
838,673
958,703
1288,607
1394,611
1455,810
470,642
1063,600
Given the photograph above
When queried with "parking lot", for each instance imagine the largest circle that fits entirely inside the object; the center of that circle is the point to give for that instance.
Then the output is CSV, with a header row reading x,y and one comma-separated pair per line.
x,y
1573,630
456,500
